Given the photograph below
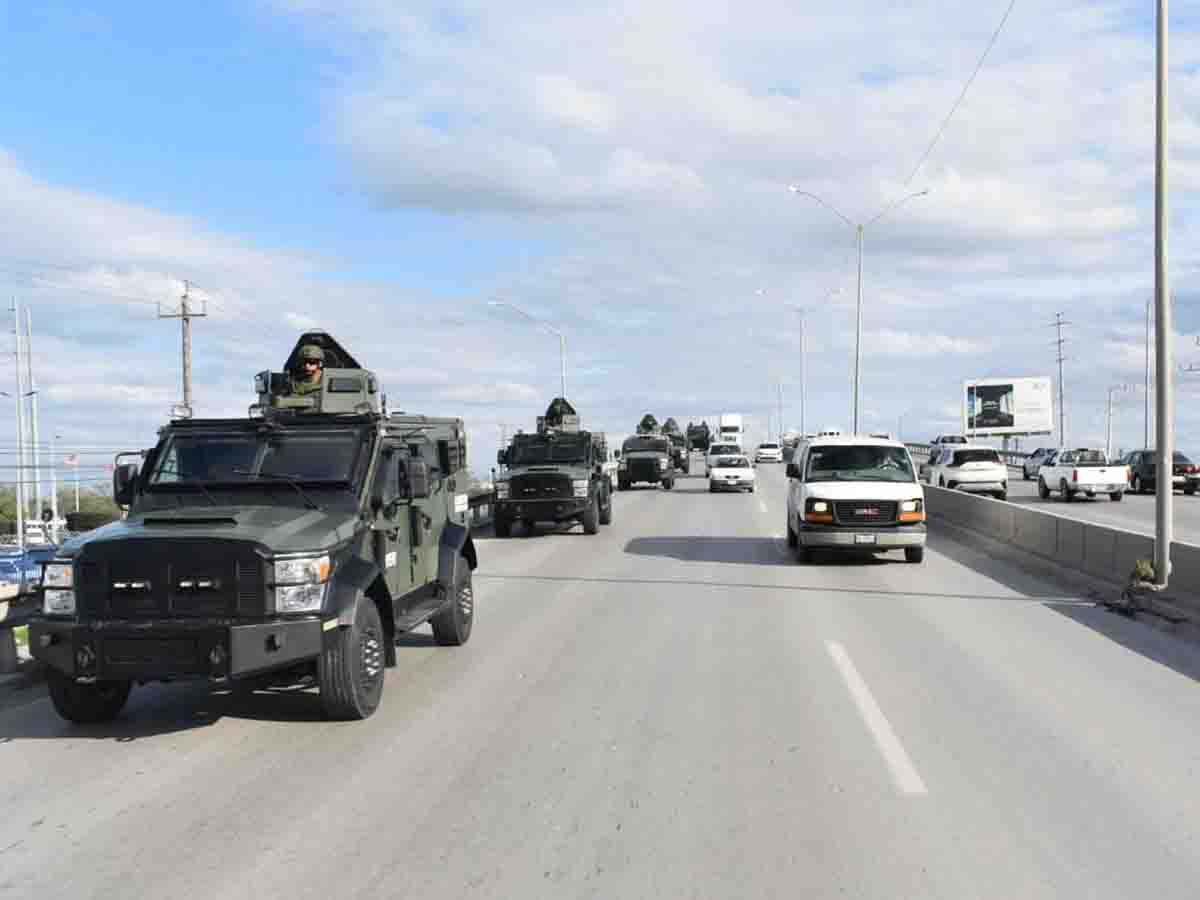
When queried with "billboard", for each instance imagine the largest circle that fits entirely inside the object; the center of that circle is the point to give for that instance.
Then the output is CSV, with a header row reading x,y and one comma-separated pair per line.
x,y
1000,406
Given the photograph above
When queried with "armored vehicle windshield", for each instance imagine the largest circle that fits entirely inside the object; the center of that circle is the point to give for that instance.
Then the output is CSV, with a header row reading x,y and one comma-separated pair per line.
x,y
634,444
542,449
335,455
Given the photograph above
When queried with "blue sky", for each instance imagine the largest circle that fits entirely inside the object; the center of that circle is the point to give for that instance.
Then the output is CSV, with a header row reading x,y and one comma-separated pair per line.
x,y
384,170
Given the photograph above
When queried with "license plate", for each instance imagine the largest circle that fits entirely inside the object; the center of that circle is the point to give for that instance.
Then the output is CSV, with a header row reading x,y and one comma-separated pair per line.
x,y
864,539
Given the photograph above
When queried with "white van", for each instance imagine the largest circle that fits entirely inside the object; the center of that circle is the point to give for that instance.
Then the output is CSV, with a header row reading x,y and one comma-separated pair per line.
x,y
855,493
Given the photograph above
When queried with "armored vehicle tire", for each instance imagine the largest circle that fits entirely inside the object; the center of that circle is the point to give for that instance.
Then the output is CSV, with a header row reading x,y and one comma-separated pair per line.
x,y
668,483
591,517
502,525
351,668
606,512
99,701
803,554
452,625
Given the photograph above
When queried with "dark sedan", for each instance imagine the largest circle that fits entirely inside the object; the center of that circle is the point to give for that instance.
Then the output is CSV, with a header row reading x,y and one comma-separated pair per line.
x,y
1142,469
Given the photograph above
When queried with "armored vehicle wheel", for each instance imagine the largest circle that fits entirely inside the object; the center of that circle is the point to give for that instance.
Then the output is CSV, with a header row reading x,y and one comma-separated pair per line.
x,y
452,625
350,669
622,484
86,703
803,554
914,554
591,517
502,525
1043,491
606,512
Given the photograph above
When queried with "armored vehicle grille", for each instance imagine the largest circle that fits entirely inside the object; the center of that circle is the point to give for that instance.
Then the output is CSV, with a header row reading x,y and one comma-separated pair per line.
x,y
540,486
178,578
865,512
644,469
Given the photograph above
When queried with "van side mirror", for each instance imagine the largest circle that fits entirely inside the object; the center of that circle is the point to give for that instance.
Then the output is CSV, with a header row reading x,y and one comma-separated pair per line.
x,y
419,479
124,478
793,470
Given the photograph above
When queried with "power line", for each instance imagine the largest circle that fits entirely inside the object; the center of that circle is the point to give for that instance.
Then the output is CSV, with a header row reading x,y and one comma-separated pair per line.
x,y
966,87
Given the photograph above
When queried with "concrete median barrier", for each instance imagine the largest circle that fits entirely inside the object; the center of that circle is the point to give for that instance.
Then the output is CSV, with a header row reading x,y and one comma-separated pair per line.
x,y
1096,550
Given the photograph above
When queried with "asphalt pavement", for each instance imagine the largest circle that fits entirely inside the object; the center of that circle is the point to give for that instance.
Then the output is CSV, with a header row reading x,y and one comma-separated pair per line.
x,y
671,708
1135,512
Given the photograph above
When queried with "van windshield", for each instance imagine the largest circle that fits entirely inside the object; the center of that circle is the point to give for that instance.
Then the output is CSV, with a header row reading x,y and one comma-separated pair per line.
x,y
859,462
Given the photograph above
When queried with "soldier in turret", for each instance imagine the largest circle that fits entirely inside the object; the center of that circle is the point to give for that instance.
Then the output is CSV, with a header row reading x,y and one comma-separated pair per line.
x,y
307,378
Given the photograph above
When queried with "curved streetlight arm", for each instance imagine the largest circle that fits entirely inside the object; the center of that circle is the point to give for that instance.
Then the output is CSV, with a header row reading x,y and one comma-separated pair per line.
x,y
562,339
829,206
896,204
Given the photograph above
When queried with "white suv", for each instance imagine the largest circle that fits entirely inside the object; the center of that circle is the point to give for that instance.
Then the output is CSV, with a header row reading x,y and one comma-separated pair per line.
x,y
969,467
768,452
855,493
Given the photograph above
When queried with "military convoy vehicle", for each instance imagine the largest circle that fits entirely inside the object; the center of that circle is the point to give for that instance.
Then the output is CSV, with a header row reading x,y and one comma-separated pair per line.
x,y
699,436
557,474
645,458
681,449
289,547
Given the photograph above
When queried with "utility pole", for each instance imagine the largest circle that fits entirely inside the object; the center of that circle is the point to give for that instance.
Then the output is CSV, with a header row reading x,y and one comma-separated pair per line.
x,y
35,434
1062,414
781,428
1165,445
1146,416
185,316
16,311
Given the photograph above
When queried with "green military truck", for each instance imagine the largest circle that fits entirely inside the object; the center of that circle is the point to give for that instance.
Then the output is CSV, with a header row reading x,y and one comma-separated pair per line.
x,y
645,458
681,448
289,547
557,474
699,436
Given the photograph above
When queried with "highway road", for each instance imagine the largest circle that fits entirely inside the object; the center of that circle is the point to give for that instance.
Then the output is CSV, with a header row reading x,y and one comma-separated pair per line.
x,y
672,708
1134,513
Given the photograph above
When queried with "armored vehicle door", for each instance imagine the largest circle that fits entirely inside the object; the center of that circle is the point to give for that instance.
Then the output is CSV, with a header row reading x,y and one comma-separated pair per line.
x,y
392,527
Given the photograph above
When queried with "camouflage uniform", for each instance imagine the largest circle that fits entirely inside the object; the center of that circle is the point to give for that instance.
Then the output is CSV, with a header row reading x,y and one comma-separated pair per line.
x,y
300,384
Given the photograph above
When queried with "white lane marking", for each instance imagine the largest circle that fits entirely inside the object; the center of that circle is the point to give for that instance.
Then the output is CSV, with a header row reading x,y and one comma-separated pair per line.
x,y
904,773
763,506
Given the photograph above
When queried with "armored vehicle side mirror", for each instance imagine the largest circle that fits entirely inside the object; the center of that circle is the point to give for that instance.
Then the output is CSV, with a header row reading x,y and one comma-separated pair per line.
x,y
124,477
502,456
419,480
793,470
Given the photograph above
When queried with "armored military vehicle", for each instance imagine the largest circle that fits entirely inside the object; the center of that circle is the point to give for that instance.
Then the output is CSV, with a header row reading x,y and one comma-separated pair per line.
x,y
699,436
288,547
557,474
680,447
645,458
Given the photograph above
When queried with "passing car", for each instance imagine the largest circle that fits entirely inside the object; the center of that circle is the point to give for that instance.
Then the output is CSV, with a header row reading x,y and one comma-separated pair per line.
x,y
971,468
1143,467
715,450
731,473
1034,461
768,451
855,493
1082,472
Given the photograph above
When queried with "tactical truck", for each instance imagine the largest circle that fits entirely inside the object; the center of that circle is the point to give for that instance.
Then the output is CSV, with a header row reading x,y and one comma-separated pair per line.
x,y
645,458
557,474
290,547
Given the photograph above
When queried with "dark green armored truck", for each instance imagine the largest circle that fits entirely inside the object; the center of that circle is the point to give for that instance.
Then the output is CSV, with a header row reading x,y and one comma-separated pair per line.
x,y
289,547
645,458
558,474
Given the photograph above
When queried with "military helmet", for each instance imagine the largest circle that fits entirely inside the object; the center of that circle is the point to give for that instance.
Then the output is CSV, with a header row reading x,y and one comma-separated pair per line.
x,y
312,351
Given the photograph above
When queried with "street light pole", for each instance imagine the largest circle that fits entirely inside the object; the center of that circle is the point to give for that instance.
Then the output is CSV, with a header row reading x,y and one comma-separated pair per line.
x,y
1162,304
859,229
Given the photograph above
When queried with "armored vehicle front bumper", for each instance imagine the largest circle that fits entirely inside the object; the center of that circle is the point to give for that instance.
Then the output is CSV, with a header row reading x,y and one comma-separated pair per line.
x,y
554,510
150,651
644,469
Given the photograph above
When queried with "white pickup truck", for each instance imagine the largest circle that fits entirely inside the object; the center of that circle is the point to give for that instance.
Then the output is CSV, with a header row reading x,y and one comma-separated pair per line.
x,y
1081,471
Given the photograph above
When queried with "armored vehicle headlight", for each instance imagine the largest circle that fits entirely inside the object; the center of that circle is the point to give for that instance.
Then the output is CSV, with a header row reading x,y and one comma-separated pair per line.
x,y
581,487
58,574
501,490
300,584
57,602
